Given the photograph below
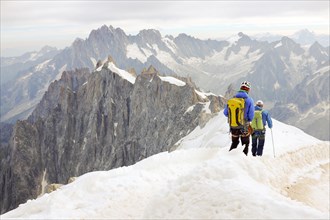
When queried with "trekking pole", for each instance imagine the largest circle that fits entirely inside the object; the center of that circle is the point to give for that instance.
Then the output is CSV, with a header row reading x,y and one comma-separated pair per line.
x,y
271,131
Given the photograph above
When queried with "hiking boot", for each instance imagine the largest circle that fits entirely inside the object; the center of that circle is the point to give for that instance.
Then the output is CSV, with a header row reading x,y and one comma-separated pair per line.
x,y
246,150
231,147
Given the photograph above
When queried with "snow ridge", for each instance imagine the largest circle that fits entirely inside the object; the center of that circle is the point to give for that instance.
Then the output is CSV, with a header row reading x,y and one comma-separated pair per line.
x,y
202,180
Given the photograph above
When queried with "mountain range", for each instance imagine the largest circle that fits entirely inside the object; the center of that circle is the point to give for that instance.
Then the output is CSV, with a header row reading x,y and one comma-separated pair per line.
x,y
276,69
303,37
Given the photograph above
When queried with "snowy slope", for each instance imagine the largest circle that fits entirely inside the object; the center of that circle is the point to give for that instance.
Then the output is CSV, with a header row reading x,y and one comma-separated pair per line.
x,y
202,180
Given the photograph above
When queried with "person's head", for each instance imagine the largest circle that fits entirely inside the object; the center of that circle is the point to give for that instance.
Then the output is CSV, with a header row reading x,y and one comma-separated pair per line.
x,y
260,103
245,86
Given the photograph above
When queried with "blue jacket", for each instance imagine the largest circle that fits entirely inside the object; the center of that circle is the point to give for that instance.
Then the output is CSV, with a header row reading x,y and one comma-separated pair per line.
x,y
249,108
266,119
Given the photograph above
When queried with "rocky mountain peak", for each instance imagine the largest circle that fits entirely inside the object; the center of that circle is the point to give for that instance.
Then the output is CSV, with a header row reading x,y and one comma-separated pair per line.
x,y
288,42
150,71
243,36
146,32
317,48
110,29
120,32
98,64
150,35
47,49
111,60
304,32
244,40
132,71
78,40
304,36
77,44
169,37
184,36
319,53
288,45
105,34
103,30
87,122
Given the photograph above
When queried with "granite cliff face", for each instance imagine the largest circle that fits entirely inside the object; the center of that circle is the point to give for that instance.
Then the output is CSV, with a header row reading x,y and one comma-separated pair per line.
x,y
98,121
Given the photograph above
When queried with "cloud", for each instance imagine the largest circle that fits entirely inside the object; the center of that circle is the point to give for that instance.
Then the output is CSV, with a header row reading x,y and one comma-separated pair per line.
x,y
58,20
26,12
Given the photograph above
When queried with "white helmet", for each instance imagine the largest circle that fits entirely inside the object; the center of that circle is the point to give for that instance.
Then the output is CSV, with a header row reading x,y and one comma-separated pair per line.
x,y
246,84
260,103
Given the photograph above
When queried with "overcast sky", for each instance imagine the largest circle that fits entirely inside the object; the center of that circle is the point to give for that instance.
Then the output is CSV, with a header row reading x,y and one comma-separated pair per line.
x,y
29,25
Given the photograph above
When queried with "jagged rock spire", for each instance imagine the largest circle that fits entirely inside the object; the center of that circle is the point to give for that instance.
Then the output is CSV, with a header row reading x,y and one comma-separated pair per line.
x,y
98,64
151,70
132,71
111,60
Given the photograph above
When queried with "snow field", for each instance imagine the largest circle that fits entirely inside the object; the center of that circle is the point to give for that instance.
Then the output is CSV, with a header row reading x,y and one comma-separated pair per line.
x,y
202,180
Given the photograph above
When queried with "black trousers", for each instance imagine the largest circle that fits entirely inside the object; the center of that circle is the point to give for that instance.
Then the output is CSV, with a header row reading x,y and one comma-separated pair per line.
x,y
240,134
